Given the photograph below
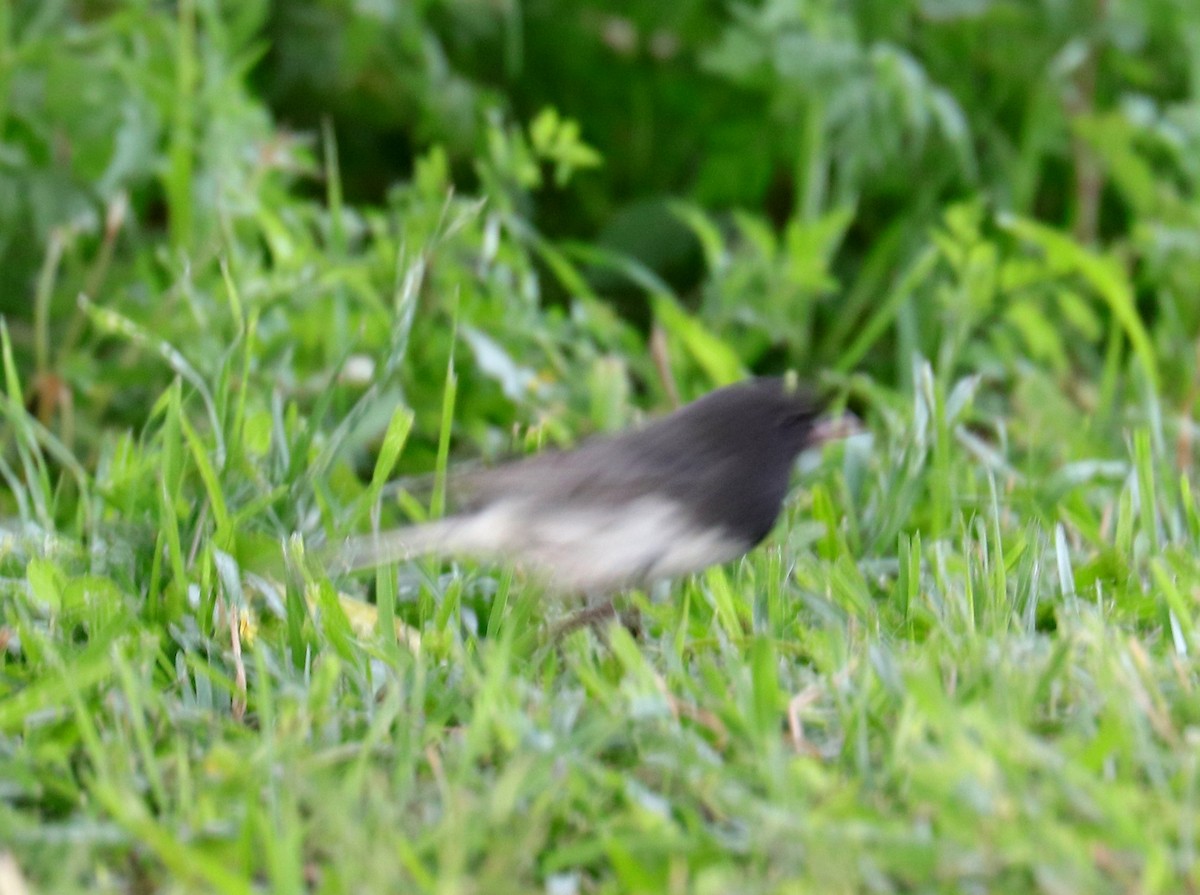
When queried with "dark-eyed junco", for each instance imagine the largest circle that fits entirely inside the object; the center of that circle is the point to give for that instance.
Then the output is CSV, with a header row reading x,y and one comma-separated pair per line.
x,y
691,489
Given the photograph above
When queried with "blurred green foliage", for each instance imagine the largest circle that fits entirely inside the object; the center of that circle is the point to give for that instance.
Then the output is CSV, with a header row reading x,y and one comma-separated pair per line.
x,y
259,259
817,146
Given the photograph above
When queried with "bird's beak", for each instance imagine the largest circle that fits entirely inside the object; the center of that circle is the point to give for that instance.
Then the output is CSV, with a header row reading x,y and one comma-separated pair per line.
x,y
834,428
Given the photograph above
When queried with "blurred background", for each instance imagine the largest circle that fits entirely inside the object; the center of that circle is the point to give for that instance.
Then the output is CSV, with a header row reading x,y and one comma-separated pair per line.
x,y
258,260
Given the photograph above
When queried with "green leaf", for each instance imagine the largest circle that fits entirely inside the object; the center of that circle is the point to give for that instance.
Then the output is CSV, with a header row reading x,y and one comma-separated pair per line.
x,y
717,359
1102,272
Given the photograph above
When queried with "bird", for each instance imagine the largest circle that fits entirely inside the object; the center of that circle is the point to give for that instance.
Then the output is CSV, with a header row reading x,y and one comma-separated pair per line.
x,y
694,488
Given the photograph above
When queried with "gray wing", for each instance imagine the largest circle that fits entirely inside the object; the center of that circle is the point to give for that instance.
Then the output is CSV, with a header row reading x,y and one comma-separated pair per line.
x,y
602,471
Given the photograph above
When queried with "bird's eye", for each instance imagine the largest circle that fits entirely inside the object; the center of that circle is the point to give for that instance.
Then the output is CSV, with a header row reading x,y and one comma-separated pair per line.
x,y
797,419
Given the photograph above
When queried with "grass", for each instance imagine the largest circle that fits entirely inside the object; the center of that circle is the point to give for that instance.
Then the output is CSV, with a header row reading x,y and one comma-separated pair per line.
x,y
964,662
935,676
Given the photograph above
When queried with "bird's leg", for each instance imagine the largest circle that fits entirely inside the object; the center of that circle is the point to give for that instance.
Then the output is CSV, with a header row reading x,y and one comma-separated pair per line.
x,y
597,611
593,613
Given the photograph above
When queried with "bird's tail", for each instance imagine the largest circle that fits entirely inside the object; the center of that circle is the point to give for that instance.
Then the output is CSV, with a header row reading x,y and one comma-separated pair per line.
x,y
396,545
